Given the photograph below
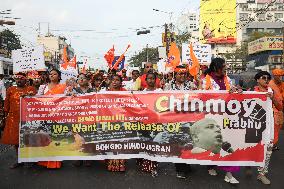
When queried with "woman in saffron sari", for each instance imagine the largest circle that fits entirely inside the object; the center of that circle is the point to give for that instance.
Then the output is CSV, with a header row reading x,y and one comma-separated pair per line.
x,y
12,111
52,88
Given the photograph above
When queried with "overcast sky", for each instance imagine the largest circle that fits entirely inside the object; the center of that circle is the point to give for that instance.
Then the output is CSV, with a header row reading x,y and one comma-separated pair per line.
x,y
113,22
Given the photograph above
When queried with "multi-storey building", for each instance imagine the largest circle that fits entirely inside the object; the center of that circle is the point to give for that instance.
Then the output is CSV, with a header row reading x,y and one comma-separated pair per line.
x,y
54,46
259,16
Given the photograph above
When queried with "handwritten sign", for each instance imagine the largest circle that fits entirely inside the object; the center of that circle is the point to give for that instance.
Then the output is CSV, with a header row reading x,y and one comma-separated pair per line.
x,y
201,51
28,59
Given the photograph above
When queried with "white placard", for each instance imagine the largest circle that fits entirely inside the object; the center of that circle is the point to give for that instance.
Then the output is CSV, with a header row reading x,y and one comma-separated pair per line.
x,y
161,65
1,67
162,52
68,73
202,52
28,59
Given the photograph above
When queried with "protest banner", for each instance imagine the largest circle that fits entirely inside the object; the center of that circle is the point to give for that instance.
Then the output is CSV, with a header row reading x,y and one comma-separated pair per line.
x,y
202,127
28,59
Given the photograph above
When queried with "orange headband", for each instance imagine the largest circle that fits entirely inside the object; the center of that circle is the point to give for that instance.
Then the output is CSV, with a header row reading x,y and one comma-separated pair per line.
x,y
278,72
183,70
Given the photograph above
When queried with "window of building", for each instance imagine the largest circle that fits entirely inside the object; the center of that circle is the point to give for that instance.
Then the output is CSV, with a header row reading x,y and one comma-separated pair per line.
x,y
260,5
250,1
277,31
243,16
261,17
279,15
271,30
279,6
243,5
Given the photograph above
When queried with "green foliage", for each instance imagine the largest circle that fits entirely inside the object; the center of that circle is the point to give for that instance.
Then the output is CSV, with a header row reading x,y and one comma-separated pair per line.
x,y
9,40
256,35
182,38
137,59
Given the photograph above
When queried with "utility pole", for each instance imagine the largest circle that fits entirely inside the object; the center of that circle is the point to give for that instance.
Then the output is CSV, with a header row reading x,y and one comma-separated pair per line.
x,y
147,54
167,39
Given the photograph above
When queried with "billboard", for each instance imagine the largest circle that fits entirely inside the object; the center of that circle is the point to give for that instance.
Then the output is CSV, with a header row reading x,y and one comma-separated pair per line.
x,y
265,44
218,21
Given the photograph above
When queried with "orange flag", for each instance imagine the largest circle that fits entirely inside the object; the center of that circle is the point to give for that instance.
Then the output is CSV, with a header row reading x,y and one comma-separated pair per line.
x,y
84,71
65,57
194,68
109,56
173,56
71,63
116,64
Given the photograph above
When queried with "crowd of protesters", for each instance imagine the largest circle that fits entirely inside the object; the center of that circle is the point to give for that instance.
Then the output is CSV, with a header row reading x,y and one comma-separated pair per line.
x,y
213,78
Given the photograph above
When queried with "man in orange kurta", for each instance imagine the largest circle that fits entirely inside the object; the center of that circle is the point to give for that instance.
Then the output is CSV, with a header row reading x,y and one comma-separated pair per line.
x,y
276,85
12,110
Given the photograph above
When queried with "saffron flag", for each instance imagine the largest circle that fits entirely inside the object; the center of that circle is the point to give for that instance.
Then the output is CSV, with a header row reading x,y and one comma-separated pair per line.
x,y
109,56
194,67
72,63
65,57
116,64
173,56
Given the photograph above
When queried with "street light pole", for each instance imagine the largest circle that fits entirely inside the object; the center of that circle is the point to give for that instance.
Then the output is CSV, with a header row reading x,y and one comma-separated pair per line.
x,y
147,54
168,28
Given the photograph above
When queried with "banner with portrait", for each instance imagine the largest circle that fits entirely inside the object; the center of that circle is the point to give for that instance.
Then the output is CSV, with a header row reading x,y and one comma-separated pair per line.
x,y
195,127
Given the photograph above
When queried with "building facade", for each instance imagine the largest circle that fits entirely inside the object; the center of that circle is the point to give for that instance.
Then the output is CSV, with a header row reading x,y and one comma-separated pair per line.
x,y
259,16
53,47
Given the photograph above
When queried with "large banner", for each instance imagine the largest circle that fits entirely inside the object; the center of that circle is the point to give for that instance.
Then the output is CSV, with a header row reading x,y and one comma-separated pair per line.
x,y
218,21
202,127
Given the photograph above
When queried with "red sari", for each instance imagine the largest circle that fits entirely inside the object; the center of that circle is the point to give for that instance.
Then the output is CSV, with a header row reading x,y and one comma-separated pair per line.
x,y
58,89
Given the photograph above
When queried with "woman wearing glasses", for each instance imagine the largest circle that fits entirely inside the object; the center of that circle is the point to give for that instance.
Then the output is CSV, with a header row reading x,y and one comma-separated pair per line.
x,y
263,78
12,111
83,88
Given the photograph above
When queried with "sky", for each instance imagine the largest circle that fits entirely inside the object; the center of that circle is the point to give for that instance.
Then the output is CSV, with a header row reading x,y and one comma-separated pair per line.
x,y
105,23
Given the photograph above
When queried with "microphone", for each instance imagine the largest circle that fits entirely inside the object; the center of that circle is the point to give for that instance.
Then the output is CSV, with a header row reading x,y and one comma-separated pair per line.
x,y
226,146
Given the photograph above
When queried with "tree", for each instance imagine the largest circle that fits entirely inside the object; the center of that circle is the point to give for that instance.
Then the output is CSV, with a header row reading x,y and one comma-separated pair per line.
x,y
184,37
256,35
137,59
9,41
